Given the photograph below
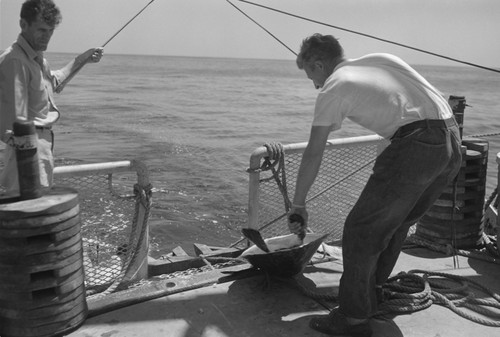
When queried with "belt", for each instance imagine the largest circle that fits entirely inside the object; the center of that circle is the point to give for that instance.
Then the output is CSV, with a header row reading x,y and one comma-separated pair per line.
x,y
425,124
39,127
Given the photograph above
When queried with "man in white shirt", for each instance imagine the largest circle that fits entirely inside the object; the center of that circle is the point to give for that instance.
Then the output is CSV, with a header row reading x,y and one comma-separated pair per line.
x,y
385,95
27,86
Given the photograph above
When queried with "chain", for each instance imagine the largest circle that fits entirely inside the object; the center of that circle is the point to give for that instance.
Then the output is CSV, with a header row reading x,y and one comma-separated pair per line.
x,y
484,135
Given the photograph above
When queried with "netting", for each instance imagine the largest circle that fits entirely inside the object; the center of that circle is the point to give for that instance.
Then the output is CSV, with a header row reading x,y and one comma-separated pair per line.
x,y
114,230
344,171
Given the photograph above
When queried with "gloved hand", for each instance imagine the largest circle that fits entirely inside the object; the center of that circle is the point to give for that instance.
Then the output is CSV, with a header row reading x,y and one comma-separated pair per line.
x,y
297,220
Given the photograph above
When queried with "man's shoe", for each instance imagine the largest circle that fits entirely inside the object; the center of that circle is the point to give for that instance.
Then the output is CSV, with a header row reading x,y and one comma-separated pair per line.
x,y
336,324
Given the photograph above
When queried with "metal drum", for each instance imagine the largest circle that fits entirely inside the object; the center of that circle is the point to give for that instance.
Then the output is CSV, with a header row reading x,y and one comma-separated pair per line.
x,y
42,290
456,217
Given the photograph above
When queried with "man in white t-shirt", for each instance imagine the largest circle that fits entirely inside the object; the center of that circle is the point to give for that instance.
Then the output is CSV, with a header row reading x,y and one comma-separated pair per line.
x,y
385,95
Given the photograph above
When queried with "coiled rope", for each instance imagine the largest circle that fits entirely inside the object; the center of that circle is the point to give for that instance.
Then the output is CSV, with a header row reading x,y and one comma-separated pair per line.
x,y
275,151
411,292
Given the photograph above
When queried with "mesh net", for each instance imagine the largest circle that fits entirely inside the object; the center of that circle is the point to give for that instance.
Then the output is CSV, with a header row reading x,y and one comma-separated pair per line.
x,y
343,174
106,219
112,230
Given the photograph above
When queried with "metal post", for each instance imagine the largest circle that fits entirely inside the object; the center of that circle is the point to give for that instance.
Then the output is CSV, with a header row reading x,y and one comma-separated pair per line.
x,y
458,104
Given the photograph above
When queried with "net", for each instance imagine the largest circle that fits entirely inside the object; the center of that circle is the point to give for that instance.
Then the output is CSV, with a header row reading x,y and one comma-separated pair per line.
x,y
345,168
114,199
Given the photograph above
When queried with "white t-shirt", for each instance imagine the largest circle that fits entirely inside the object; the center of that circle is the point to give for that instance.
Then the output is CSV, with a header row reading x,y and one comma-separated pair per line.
x,y
379,92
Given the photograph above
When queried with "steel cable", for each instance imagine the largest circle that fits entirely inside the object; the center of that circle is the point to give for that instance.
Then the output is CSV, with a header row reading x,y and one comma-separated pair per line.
x,y
366,35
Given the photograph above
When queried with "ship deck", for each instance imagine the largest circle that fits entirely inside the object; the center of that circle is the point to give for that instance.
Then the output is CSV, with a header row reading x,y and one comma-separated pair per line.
x,y
247,304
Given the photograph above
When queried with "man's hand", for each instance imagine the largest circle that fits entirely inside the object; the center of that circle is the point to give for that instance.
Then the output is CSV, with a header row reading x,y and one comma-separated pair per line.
x,y
297,219
93,55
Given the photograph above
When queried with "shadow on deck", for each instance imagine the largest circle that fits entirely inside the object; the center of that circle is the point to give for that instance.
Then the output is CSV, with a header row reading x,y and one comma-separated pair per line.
x,y
251,306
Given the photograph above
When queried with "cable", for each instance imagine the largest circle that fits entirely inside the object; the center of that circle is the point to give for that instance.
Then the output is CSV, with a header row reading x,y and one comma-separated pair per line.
x,y
258,24
129,21
371,36
61,86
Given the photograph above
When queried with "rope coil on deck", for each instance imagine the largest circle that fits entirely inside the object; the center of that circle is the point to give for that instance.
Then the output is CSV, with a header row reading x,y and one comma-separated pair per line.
x,y
410,292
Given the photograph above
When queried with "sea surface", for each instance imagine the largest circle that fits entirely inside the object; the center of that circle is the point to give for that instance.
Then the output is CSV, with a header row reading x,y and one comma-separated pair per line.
x,y
195,122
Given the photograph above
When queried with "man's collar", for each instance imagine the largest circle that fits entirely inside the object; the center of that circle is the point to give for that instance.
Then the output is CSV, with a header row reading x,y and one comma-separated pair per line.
x,y
30,52
340,63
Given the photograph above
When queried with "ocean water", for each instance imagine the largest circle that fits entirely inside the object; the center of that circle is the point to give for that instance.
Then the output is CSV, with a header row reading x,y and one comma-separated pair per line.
x,y
195,122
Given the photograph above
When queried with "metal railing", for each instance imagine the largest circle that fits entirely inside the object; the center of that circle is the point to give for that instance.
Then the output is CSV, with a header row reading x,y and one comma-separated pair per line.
x,y
115,200
346,166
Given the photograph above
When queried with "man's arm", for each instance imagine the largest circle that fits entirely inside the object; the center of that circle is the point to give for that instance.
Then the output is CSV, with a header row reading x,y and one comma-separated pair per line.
x,y
311,161
66,73
309,167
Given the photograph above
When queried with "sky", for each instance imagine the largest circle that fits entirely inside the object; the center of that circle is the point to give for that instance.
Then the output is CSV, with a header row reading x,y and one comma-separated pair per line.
x,y
462,29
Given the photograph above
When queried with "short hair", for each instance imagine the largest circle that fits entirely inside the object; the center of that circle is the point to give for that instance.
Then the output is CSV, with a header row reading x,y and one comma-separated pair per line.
x,y
325,48
47,10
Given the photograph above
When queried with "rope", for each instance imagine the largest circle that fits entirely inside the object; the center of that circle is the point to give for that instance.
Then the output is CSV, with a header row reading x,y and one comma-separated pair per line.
x,y
129,21
453,226
258,24
276,152
484,135
410,292
61,85
209,260
449,250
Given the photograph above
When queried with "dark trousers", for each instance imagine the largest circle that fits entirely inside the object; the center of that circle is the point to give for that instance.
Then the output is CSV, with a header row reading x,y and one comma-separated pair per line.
x,y
408,177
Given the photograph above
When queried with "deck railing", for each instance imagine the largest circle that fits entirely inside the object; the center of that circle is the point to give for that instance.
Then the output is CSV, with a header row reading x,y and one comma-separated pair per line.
x,y
115,200
346,166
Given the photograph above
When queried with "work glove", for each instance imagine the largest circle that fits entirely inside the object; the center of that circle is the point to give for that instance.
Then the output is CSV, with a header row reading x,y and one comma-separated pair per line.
x,y
297,220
